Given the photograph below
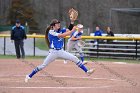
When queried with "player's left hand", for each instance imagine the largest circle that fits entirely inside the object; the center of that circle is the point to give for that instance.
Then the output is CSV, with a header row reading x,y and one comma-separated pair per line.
x,y
72,21
73,14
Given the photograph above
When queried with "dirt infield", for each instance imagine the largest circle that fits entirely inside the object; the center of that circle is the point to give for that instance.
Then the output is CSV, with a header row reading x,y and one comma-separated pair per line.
x,y
68,78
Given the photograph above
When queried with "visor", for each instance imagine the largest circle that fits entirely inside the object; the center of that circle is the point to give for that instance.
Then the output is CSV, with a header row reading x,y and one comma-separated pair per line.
x,y
80,26
55,21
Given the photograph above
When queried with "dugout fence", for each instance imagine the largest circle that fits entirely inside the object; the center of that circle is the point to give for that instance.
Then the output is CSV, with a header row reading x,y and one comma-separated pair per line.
x,y
114,49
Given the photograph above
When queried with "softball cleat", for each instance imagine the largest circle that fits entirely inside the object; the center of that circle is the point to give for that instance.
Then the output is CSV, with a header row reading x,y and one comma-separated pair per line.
x,y
65,62
27,78
90,71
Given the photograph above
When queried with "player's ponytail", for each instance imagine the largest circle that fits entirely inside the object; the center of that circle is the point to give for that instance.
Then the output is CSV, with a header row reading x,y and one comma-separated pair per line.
x,y
46,36
53,22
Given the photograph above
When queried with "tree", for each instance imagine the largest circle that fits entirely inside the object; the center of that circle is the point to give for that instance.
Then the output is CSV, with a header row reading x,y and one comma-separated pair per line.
x,y
22,10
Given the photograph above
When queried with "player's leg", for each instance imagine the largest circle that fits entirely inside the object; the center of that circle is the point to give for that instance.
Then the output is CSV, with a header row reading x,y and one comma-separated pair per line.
x,y
16,42
66,55
69,48
70,45
79,49
50,58
22,48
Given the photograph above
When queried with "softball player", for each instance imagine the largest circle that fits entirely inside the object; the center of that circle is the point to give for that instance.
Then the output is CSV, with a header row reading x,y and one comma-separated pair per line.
x,y
56,41
73,41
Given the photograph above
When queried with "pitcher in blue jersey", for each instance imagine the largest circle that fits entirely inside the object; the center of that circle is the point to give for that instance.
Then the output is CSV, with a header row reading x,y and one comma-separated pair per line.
x,y
55,40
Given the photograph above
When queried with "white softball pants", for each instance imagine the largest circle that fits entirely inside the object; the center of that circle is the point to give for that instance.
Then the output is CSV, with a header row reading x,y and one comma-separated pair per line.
x,y
73,44
54,54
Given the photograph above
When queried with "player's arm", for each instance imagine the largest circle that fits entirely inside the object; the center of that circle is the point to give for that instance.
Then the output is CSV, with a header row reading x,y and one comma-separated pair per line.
x,y
68,32
71,25
24,33
73,38
12,33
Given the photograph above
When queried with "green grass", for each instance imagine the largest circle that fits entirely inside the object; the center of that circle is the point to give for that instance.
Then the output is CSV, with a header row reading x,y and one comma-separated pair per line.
x,y
7,56
41,44
14,57
92,59
115,60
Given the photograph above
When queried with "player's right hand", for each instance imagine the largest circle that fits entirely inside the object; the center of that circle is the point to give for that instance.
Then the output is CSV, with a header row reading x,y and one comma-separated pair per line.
x,y
74,28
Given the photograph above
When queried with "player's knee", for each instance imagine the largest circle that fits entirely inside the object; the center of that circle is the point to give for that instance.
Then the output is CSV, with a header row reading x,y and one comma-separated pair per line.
x,y
41,66
79,63
75,59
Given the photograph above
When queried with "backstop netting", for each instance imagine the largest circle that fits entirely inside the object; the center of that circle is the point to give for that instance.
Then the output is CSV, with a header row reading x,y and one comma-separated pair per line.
x,y
125,20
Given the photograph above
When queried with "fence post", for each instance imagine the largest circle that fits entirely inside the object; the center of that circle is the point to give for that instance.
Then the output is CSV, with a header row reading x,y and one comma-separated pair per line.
x,y
136,49
4,45
34,45
97,49
64,43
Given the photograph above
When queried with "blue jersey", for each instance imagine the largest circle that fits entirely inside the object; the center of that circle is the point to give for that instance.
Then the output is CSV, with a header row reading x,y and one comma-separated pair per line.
x,y
76,34
98,33
55,41
18,33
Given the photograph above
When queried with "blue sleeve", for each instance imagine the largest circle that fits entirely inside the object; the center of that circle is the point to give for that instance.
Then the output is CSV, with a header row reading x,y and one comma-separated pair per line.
x,y
63,30
22,27
12,33
72,34
13,27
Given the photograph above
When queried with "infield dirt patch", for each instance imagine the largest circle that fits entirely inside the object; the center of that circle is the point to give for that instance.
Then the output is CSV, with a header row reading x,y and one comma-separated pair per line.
x,y
68,78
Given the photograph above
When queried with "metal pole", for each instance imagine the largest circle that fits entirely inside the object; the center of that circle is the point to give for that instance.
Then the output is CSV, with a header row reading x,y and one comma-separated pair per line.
x,y
97,49
136,49
4,45
34,45
64,43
